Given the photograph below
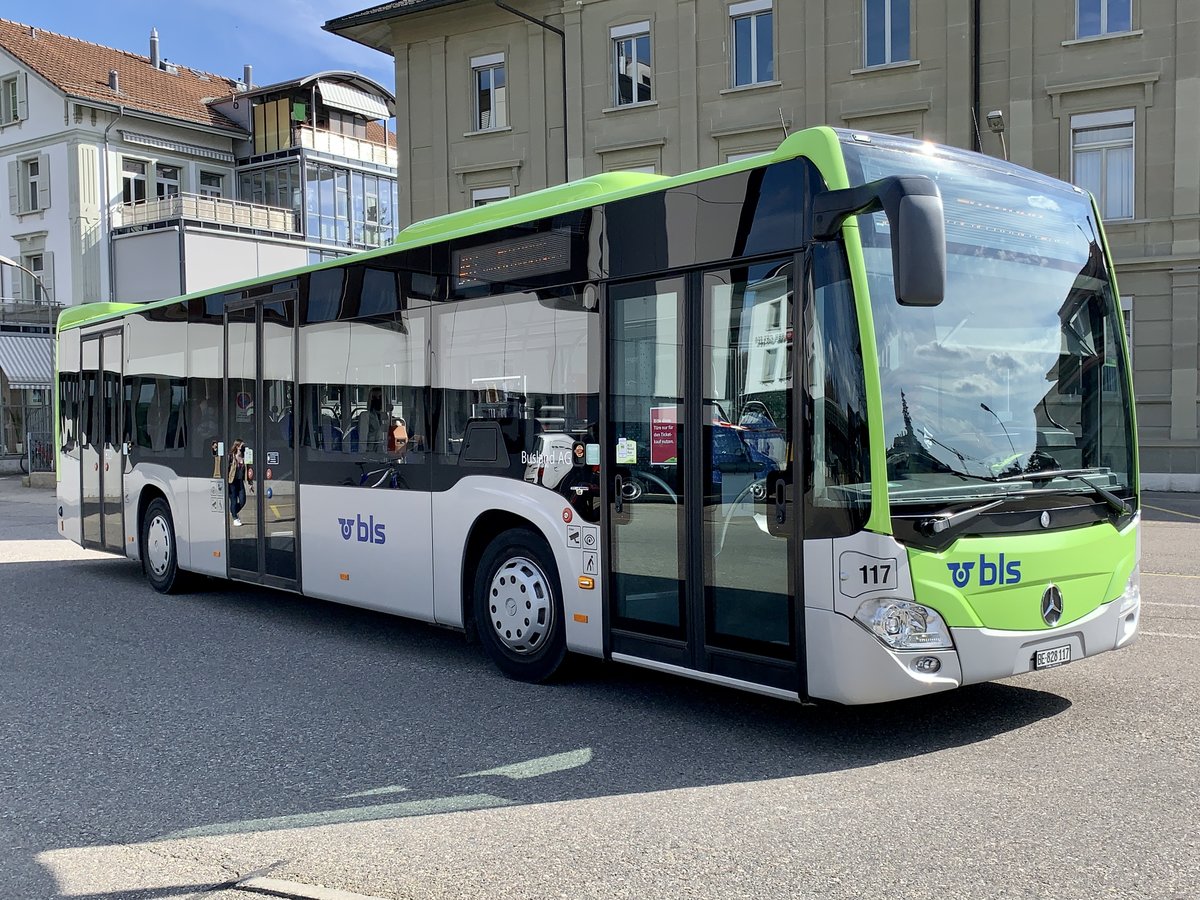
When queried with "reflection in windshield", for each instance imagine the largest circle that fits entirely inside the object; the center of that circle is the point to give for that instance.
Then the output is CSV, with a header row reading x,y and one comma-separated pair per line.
x,y
1019,370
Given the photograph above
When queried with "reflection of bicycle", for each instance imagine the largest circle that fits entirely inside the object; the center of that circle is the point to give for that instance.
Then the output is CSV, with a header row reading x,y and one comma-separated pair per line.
x,y
387,476
39,452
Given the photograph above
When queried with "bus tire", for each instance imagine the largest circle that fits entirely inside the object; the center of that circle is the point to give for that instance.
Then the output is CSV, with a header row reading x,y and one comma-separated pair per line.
x,y
160,556
518,606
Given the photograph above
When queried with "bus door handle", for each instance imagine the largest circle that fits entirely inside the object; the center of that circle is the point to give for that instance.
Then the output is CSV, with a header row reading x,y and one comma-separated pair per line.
x,y
780,502
618,493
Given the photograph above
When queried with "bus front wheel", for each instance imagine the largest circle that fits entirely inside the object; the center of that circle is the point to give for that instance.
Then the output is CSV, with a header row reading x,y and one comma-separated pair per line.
x,y
159,549
518,606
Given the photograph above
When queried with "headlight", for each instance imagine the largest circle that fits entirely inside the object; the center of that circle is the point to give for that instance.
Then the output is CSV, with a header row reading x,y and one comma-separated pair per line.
x,y
904,625
1133,591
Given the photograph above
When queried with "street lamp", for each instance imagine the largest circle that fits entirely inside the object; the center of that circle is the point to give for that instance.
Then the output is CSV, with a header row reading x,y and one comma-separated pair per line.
x,y
5,261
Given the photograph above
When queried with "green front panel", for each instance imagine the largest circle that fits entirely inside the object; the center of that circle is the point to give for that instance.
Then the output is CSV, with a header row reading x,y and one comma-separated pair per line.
x,y
1003,578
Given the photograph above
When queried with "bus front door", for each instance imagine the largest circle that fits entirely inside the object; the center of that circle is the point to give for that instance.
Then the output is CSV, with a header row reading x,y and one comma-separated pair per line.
x,y
261,511
102,443
701,525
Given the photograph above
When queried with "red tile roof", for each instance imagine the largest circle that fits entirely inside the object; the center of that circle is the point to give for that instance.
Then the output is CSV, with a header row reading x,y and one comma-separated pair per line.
x,y
377,133
80,68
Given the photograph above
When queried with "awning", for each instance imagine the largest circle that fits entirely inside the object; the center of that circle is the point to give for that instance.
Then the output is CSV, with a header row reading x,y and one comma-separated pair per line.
x,y
351,99
27,360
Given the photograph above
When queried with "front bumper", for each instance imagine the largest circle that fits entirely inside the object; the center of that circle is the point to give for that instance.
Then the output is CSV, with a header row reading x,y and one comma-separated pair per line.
x,y
848,664
988,653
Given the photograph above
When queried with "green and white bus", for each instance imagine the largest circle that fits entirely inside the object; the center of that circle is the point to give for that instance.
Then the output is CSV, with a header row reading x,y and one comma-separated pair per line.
x,y
851,421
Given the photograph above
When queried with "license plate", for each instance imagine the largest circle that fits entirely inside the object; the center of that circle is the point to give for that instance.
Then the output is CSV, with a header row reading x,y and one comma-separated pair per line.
x,y
1052,656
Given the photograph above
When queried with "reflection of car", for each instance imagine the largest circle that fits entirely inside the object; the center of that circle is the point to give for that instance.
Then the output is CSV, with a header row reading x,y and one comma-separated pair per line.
x,y
732,453
736,450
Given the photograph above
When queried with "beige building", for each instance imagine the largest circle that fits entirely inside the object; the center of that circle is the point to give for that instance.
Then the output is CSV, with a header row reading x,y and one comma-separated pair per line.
x,y
1102,92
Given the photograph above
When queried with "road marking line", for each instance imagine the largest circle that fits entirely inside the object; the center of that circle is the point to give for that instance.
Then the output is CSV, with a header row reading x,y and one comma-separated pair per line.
x,y
544,765
1155,603
1170,575
374,792
1190,637
458,803
1173,512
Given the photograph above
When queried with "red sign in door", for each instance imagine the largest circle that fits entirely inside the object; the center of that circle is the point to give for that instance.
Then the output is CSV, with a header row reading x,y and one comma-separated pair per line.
x,y
664,435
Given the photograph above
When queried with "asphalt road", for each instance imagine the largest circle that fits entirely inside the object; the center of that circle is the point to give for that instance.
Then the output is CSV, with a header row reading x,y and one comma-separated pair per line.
x,y
155,748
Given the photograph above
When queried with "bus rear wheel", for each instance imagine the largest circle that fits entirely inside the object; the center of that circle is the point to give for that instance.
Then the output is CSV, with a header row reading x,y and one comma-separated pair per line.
x,y
518,606
159,549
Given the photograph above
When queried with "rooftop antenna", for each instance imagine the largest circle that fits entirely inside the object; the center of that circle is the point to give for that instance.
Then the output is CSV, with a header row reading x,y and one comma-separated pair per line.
x,y
783,122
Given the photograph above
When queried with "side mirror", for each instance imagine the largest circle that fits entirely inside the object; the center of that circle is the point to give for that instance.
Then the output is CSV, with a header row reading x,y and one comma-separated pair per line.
x,y
913,205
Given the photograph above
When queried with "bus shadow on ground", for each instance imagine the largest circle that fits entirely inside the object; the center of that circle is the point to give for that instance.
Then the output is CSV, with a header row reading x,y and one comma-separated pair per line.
x,y
136,717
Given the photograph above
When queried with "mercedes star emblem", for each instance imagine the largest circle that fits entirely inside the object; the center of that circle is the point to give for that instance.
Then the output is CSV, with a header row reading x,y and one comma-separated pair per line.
x,y
1045,519
1052,605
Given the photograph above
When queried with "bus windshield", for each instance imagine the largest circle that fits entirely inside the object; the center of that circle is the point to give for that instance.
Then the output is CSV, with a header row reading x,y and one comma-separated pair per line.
x,y
1020,371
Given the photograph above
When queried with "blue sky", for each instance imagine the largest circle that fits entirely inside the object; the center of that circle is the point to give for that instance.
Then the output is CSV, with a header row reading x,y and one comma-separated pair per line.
x,y
282,39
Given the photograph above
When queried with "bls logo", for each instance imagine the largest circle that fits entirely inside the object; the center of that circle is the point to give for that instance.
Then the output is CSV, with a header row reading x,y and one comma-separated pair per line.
x,y
367,532
990,573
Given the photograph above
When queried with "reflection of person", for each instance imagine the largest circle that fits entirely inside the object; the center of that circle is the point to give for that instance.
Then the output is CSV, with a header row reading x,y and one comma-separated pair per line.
x,y
372,424
207,426
237,480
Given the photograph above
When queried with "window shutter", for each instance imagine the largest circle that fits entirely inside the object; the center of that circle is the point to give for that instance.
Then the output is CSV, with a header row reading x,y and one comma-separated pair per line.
x,y
22,96
14,193
47,274
44,181
18,283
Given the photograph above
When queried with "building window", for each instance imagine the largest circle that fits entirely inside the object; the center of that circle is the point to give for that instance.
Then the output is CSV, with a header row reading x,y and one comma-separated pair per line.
x,y
1102,160
491,92
346,208
632,71
166,181
133,180
212,184
753,56
12,99
36,288
29,184
484,196
1094,17
31,179
886,28
1127,316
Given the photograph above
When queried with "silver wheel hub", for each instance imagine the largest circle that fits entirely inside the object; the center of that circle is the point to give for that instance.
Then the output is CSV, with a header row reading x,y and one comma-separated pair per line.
x,y
521,605
158,546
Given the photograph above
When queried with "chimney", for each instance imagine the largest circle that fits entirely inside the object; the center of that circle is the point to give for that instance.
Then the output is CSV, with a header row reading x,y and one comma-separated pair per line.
x,y
248,75
154,57
114,81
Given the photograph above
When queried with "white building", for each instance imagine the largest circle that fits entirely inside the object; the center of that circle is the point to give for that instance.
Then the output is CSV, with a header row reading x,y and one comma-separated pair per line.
x,y
132,178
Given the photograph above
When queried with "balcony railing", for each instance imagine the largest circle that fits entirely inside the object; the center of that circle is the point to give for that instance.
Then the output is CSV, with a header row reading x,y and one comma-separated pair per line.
x,y
208,210
16,313
347,146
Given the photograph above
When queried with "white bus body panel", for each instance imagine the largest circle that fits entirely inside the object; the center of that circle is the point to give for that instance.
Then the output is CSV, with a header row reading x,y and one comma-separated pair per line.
x,y
845,662
368,548
206,524
70,523
455,512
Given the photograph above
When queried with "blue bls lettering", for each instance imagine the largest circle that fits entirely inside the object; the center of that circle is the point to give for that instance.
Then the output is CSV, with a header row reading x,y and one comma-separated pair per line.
x,y
366,531
990,573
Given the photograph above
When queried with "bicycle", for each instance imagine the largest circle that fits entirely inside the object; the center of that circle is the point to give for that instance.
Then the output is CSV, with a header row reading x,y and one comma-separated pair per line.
x,y
387,473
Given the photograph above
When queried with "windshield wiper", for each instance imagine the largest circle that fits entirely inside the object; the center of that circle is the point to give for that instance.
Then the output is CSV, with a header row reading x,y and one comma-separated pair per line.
x,y
943,521
1115,503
